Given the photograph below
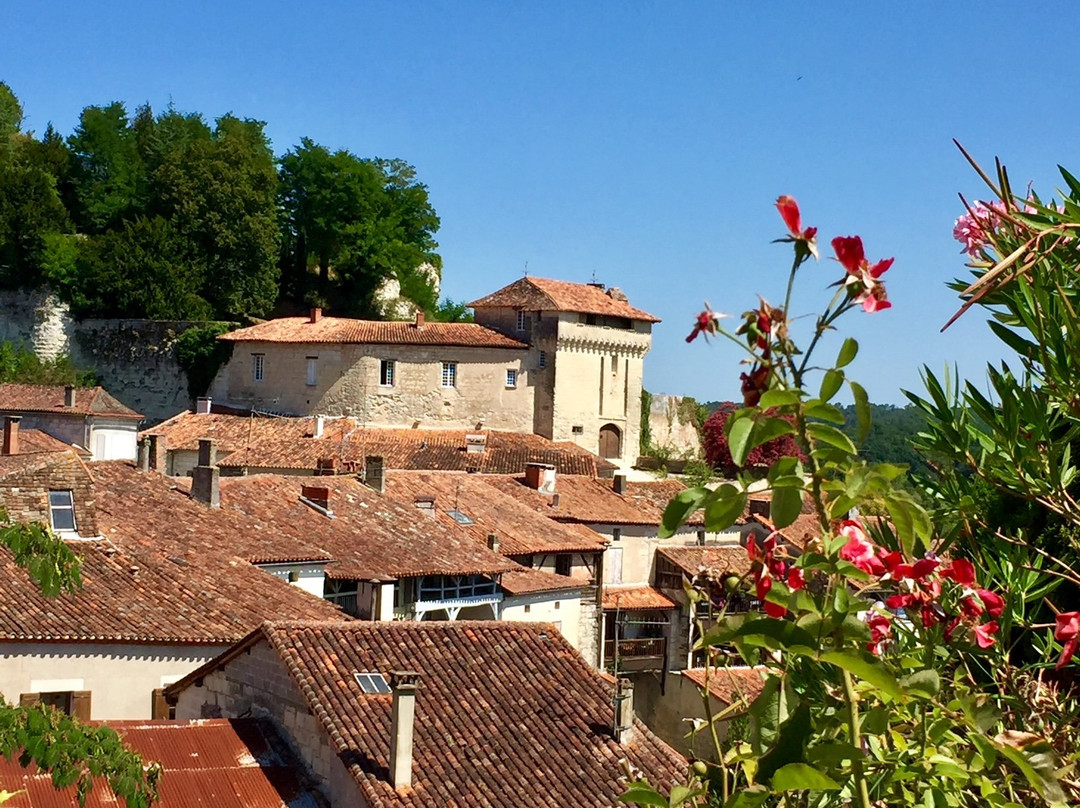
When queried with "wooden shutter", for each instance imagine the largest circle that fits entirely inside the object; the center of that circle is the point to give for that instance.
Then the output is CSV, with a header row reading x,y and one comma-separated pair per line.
x,y
159,708
29,699
80,705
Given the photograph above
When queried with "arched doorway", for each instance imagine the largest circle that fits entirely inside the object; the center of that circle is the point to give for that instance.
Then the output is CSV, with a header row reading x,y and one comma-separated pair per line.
x,y
610,441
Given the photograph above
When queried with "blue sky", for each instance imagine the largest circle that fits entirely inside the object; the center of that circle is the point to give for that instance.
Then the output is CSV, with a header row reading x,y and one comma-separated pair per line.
x,y
640,143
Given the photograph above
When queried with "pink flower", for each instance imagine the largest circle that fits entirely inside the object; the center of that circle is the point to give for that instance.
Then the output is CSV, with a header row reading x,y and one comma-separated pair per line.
x,y
1068,629
805,239
973,229
984,634
880,628
858,550
863,280
961,571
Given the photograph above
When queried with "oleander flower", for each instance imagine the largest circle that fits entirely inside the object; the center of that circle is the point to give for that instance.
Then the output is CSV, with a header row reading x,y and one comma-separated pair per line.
x,y
1067,630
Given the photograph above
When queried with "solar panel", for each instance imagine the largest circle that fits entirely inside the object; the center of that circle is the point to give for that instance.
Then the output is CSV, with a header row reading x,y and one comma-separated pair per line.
x,y
371,682
459,517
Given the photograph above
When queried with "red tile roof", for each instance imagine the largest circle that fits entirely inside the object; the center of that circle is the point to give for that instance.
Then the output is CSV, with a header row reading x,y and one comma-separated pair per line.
x,y
721,560
373,332
16,398
729,684
525,581
286,443
635,599
34,441
542,294
798,533
185,430
507,714
237,763
519,528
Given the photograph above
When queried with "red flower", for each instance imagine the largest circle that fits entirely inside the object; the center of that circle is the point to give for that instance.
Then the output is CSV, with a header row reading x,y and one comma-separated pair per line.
x,y
754,384
971,607
1068,630
984,634
805,239
858,550
923,567
849,252
707,322
796,580
995,604
962,571
862,278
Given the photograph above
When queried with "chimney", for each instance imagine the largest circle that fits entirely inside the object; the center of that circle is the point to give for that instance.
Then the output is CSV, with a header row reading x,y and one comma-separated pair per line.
x,y
426,505
403,684
320,424
205,476
493,542
619,484
316,315
624,710
202,405
316,495
541,477
326,467
157,453
419,319
143,455
375,473
11,434
69,396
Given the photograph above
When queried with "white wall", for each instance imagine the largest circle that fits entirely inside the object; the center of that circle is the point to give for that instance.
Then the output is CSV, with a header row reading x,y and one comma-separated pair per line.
x,y
121,678
312,577
113,439
561,608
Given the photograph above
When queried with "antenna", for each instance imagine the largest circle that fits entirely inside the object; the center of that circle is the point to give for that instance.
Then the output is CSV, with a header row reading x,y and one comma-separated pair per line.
x,y
593,276
526,269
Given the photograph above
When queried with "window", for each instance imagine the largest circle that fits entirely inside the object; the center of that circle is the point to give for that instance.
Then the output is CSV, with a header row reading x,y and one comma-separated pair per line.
x,y
511,378
62,510
562,564
257,365
614,364
577,430
371,682
542,361
159,708
449,374
71,702
386,373
701,538
616,533
312,371
520,320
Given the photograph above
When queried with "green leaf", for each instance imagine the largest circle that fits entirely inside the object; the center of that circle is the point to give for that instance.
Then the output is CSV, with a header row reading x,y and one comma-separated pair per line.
x,y
786,506
779,398
725,508
640,794
847,352
862,410
824,412
923,684
871,672
802,777
779,635
752,797
830,384
680,508
790,746
739,427
767,429
832,436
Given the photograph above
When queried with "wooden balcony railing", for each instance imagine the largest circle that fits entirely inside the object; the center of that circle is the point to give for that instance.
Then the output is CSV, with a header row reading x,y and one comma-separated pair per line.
x,y
637,654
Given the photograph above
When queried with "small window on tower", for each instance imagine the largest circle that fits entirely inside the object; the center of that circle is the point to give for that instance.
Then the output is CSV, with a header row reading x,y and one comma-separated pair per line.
x,y
511,378
541,361
312,371
520,320
449,374
62,511
386,373
614,364
258,364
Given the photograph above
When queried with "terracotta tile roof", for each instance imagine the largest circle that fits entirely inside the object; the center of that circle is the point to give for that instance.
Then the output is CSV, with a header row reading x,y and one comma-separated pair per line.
x,y
542,294
237,763
15,398
729,684
371,537
507,714
798,533
519,528
635,598
185,430
524,581
373,332
692,560
34,441
583,499
287,443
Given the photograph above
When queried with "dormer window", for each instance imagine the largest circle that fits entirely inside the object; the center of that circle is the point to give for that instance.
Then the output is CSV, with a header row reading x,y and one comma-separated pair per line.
x,y
62,511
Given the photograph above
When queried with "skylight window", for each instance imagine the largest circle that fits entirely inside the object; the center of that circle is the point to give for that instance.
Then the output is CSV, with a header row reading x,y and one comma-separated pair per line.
x,y
460,518
371,682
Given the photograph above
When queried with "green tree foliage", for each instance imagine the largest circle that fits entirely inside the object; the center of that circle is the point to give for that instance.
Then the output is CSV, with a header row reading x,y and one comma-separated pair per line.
x,y
452,311
201,354
20,365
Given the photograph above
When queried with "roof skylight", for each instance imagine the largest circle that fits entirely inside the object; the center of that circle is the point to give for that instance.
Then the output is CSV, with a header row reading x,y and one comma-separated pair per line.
x,y
371,682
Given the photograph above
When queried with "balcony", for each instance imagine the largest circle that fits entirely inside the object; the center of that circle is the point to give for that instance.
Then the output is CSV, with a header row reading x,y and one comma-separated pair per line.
x,y
641,654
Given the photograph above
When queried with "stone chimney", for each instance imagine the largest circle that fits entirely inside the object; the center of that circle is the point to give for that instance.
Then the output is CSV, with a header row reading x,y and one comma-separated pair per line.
x,y
205,477
375,473
403,685
541,477
619,484
143,455
493,542
316,315
69,396
157,453
624,710
319,426
419,319
202,405
11,435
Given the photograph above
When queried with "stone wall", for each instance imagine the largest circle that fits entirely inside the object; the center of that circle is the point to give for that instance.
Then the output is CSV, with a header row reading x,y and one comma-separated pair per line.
x,y
669,430
135,359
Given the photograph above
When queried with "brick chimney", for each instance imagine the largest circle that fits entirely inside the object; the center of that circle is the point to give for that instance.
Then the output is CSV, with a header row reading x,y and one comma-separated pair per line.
x,y
403,684
493,542
419,319
202,405
205,477
624,710
157,453
69,396
326,467
316,495
11,435
619,484
143,455
541,477
375,473
318,426
315,315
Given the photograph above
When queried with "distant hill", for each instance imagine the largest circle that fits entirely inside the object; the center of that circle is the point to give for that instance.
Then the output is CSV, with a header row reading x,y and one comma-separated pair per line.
x,y
891,433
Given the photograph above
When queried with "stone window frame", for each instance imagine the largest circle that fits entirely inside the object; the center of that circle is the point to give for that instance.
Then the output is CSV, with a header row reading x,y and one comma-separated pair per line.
x,y
449,375
258,367
312,371
387,371
511,378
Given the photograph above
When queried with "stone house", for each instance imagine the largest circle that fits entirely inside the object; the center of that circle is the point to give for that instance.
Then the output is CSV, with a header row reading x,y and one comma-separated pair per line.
x,y
84,417
435,714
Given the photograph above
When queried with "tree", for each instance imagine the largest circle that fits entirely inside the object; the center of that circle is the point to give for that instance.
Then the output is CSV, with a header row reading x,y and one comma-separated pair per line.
x,y
109,176
718,451
30,210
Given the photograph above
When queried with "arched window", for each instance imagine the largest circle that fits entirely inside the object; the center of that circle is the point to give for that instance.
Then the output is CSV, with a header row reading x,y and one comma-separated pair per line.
x,y
610,441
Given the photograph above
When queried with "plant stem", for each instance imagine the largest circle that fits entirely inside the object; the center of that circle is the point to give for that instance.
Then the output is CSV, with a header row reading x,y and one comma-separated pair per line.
x,y
856,740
